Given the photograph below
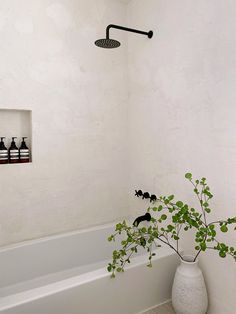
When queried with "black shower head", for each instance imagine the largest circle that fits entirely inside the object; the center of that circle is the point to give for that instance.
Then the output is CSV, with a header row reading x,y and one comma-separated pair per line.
x,y
107,43
112,43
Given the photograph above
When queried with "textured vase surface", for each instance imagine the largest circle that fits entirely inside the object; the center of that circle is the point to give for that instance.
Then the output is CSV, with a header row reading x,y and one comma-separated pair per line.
x,y
189,294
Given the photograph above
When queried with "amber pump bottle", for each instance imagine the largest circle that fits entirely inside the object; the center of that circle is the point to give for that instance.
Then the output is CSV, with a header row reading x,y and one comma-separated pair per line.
x,y
3,152
24,151
13,152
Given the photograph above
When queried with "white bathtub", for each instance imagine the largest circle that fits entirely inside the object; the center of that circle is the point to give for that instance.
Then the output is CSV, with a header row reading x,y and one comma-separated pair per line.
x,y
67,274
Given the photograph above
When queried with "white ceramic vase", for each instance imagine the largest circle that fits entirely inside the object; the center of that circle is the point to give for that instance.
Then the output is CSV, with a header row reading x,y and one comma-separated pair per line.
x,y
189,294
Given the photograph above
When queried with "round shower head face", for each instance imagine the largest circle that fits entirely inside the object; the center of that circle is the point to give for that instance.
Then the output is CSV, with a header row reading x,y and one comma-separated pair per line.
x,y
107,43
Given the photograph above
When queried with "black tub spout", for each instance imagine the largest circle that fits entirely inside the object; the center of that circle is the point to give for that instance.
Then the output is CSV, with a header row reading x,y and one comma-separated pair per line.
x,y
146,217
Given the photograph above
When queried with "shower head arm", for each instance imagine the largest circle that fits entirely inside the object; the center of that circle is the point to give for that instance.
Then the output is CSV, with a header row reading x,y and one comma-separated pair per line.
x,y
149,34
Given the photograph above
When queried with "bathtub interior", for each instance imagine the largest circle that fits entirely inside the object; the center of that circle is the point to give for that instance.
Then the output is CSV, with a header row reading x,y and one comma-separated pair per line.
x,y
35,263
38,263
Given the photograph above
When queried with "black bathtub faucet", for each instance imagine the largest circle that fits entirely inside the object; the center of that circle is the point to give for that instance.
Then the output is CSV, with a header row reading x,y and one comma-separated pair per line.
x,y
146,217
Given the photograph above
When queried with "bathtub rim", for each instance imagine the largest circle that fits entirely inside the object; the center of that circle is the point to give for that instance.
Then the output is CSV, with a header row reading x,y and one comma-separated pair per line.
x,y
58,236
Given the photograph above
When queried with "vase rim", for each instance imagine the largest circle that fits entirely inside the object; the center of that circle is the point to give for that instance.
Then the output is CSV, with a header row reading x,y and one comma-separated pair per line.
x,y
188,259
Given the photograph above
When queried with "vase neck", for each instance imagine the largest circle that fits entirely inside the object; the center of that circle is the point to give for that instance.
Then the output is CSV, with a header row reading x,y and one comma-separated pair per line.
x,y
188,265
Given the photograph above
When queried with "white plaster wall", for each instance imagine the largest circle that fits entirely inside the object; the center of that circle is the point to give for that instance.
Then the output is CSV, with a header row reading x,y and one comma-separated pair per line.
x,y
77,93
183,115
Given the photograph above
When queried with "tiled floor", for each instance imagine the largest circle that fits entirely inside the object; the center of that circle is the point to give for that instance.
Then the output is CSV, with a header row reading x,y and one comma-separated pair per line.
x,y
163,309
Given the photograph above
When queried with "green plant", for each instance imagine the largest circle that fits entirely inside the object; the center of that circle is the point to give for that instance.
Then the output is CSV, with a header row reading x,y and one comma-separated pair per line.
x,y
169,218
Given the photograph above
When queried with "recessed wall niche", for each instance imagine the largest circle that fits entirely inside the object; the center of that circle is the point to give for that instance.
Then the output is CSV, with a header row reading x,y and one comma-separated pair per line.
x,y
16,123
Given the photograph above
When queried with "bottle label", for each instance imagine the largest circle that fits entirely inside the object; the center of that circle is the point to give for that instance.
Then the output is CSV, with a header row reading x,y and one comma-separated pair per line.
x,y
14,161
24,151
3,161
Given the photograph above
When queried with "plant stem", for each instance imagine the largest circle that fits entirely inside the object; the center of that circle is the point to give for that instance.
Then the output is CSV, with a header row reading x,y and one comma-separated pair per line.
x,y
200,201
171,246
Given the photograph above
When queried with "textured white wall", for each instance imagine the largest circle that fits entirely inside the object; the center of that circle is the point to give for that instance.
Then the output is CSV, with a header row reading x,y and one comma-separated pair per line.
x,y
183,114
77,93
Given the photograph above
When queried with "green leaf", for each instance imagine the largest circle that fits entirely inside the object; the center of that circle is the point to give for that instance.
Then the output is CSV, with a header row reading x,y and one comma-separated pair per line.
x,y
224,228
175,219
163,217
142,241
231,220
222,254
188,176
213,233
170,228
179,204
203,246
